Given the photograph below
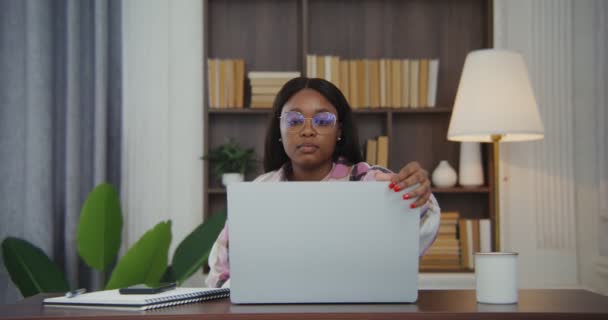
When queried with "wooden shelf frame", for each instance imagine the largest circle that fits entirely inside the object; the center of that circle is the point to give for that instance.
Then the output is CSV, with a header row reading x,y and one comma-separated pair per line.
x,y
276,35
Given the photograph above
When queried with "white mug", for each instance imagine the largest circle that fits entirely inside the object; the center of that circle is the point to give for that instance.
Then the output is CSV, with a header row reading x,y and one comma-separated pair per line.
x,y
496,277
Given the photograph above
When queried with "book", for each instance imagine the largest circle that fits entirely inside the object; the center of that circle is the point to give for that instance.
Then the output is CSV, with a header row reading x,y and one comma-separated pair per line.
x,y
485,236
433,78
371,151
112,299
423,77
414,78
382,154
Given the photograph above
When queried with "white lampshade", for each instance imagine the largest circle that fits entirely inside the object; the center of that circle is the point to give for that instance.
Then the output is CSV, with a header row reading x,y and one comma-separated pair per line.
x,y
495,98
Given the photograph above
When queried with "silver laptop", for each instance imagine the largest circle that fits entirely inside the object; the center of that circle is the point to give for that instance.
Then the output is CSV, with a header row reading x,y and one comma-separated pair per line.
x,y
321,242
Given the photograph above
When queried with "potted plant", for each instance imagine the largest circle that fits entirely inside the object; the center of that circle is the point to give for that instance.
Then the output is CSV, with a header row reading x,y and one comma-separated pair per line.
x,y
231,161
98,241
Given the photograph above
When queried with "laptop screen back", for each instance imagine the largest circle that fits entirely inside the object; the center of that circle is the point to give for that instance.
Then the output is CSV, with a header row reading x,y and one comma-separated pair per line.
x,y
321,242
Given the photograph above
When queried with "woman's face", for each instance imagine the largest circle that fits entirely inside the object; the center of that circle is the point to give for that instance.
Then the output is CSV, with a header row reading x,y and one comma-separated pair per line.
x,y
309,129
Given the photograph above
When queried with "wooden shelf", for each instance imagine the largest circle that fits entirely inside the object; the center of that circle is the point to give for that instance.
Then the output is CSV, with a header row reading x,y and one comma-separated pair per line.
x,y
455,270
247,111
405,29
461,190
217,191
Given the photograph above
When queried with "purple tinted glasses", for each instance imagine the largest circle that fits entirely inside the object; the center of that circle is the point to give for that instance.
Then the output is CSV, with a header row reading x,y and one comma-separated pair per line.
x,y
322,122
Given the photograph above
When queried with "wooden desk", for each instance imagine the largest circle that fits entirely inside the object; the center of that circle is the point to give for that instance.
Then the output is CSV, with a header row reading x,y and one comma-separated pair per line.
x,y
432,304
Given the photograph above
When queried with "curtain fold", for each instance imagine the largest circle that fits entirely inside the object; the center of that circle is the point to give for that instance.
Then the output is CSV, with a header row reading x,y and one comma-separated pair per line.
x,y
60,122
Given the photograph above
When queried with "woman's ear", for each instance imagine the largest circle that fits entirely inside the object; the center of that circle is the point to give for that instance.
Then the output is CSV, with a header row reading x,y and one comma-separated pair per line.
x,y
339,132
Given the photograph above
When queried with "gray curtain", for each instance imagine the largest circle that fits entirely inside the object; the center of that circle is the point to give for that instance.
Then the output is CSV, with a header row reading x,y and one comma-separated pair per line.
x,y
60,122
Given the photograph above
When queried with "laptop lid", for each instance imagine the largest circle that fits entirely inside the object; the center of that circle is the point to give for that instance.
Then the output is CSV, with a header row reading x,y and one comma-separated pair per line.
x,y
321,242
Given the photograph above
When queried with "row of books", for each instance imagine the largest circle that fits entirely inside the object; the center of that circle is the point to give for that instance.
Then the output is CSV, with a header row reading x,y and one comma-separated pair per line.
x,y
376,151
266,84
226,83
457,241
380,83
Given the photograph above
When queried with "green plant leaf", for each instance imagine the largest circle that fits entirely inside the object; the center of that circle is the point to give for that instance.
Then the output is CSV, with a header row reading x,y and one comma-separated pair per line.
x,y
194,250
100,227
230,157
30,268
146,260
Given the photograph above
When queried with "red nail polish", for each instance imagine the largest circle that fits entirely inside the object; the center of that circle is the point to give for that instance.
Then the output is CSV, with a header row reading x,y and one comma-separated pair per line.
x,y
406,196
412,206
396,188
392,185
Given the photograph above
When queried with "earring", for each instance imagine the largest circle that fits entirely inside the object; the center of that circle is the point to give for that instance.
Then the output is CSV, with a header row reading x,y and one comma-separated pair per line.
x,y
339,138
280,140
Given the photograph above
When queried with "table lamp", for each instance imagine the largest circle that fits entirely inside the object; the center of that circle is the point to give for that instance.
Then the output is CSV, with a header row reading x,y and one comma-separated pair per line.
x,y
495,103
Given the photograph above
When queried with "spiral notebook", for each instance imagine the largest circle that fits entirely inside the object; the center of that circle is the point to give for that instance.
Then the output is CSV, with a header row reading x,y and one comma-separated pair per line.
x,y
112,299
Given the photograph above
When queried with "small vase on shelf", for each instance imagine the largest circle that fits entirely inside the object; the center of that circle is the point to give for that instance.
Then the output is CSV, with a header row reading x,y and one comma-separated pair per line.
x,y
444,176
470,169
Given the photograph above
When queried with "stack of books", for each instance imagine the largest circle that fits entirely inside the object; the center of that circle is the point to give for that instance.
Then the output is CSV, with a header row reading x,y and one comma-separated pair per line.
x,y
444,254
266,84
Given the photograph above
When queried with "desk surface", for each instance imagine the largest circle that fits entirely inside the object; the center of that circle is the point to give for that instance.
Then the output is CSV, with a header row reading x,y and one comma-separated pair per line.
x,y
432,304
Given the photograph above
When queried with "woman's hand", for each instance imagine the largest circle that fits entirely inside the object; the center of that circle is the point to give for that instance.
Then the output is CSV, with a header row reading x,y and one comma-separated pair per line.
x,y
408,176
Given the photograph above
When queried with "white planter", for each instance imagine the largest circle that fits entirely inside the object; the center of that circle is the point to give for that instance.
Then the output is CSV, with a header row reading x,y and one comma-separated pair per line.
x,y
228,178
444,175
470,169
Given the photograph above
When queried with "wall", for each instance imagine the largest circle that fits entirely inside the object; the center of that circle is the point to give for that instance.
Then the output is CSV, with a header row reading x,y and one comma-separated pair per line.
x,y
162,129
591,160
549,189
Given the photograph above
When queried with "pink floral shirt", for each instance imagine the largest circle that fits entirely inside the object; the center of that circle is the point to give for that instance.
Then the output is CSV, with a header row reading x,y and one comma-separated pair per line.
x,y
219,274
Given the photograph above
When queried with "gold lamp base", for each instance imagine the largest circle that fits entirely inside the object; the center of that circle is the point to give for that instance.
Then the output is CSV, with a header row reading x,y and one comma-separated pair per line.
x,y
496,149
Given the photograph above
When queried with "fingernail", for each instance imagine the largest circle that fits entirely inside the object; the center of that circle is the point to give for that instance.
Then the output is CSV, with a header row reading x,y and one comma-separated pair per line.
x,y
406,196
396,188
392,185
413,205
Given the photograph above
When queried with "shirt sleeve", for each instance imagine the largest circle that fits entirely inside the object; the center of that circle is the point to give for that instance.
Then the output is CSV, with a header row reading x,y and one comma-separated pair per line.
x,y
430,215
218,261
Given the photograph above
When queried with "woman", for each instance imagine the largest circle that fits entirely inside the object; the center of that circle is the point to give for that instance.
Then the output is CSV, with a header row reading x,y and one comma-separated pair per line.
x,y
312,137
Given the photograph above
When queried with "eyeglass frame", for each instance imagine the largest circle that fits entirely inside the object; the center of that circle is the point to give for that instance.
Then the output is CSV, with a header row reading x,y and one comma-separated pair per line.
x,y
333,125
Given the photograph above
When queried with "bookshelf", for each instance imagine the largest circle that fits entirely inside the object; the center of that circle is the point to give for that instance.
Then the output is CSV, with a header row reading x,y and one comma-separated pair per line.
x,y
277,35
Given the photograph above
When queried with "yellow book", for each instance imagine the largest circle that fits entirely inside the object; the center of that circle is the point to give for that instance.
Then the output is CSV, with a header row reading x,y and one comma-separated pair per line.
x,y
414,70
388,76
374,82
423,84
344,80
222,83
382,156
321,67
335,71
265,89
464,244
382,81
361,83
396,83
354,92
230,73
212,80
370,153
405,83
240,83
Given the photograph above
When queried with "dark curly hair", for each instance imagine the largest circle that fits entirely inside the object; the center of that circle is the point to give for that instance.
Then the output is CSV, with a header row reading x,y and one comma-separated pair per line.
x,y
348,147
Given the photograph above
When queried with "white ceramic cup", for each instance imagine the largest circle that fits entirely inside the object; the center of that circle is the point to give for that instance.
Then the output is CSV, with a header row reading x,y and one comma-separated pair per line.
x,y
496,277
